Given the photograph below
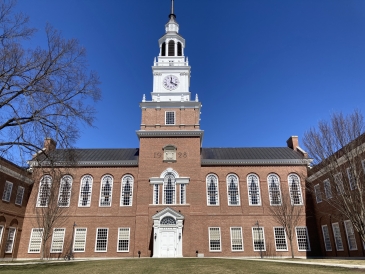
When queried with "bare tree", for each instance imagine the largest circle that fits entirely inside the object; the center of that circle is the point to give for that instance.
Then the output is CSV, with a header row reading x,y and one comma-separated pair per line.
x,y
337,147
44,92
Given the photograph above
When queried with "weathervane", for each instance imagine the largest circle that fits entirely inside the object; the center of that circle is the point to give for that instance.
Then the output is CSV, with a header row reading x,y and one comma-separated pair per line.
x,y
172,9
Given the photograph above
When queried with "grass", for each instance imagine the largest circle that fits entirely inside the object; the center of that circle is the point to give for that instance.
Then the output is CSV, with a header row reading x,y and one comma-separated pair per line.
x,y
183,265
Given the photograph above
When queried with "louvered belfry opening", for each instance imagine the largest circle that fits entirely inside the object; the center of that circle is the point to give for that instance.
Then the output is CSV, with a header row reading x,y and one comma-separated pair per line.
x,y
163,49
171,48
179,49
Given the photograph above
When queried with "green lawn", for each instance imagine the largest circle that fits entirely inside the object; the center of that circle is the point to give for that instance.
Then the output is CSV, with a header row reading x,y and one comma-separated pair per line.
x,y
183,265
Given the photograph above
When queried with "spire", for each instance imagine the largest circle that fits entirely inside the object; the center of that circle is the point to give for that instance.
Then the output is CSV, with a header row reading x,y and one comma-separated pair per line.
x,y
172,14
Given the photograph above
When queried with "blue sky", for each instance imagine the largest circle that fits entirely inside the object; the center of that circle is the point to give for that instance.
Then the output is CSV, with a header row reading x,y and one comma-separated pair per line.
x,y
264,70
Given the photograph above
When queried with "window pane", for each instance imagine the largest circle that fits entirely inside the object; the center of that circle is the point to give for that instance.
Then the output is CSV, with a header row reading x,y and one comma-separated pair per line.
x,y
280,239
214,239
350,235
7,191
64,194
10,240
57,240
232,189
274,189
337,235
19,195
123,239
127,191
253,190
258,239
295,190
106,191
302,239
80,240
85,190
236,239
101,239
326,238
35,240
212,190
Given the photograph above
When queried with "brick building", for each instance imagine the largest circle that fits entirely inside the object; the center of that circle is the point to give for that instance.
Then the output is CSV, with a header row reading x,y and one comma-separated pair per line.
x,y
171,197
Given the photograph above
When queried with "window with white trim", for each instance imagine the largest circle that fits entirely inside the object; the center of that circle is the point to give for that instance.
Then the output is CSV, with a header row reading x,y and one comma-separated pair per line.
x,y
212,190
106,190
58,238
350,235
258,238
127,191
280,239
156,193
326,238
170,117
317,193
273,183
10,240
302,238
337,235
44,191
236,239
1,233
85,191
327,188
79,239
169,189
7,191
35,241
214,239
295,190
351,176
339,183
19,195
253,185
233,190
101,240
182,194
123,239
64,194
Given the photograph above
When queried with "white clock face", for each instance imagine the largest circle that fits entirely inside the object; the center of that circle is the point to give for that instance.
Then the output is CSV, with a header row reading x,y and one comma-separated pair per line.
x,y
171,82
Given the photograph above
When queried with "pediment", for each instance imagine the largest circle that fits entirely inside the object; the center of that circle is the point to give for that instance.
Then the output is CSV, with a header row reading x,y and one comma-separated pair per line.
x,y
168,212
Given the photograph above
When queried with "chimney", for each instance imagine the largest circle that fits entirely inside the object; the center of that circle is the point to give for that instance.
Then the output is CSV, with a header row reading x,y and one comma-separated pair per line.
x,y
49,144
292,143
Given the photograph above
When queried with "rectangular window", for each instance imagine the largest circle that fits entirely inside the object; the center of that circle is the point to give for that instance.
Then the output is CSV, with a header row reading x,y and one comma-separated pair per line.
x,y
10,240
317,192
326,238
258,238
339,183
302,239
35,241
155,194
123,239
170,117
7,191
327,189
101,240
350,235
280,239
1,233
182,194
80,240
236,239
214,239
19,195
337,235
350,175
57,240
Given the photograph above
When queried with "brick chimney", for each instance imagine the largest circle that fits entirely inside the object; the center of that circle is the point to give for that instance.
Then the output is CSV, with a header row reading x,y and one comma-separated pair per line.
x,y
292,142
49,144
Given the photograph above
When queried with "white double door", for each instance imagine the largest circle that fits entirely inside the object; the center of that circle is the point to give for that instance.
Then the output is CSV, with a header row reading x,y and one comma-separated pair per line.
x,y
168,243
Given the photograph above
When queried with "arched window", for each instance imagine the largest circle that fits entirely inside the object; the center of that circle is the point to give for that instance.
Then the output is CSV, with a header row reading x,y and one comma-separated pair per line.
x,y
274,189
64,194
168,220
212,190
163,49
232,190
169,186
253,190
295,190
44,191
179,49
171,48
85,190
106,191
127,191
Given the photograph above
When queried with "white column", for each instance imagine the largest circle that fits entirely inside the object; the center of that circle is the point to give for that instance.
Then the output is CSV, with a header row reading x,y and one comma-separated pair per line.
x,y
175,53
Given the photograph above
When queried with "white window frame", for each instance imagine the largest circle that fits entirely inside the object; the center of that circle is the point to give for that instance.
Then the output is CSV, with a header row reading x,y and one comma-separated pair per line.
x,y
337,235
174,185
351,177
208,182
65,193
7,191
263,238
327,189
10,238
19,195
277,182
237,185
326,238
96,239
156,194
291,191
2,228
250,176
89,179
339,183
122,189
307,238
56,242
79,231
350,233
174,117
240,239
102,194
317,193
210,229
119,238
45,180
182,194
35,240
280,238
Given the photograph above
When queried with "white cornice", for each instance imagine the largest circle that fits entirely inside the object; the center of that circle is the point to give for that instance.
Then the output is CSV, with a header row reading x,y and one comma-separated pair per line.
x,y
172,104
15,174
